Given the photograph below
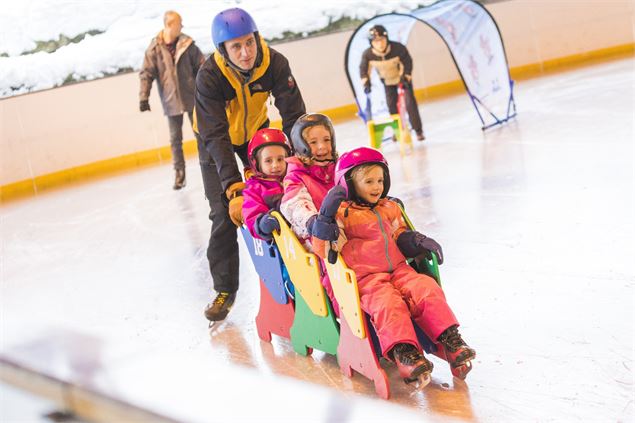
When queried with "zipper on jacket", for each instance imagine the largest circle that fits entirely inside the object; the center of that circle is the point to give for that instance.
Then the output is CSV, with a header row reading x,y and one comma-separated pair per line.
x,y
385,236
246,109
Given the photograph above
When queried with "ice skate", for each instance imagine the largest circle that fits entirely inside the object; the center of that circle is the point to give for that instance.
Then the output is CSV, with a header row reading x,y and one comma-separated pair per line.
x,y
453,349
179,179
412,365
219,308
420,136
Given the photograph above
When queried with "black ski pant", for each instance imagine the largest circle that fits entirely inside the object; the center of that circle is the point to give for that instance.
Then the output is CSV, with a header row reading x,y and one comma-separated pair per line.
x,y
222,251
412,108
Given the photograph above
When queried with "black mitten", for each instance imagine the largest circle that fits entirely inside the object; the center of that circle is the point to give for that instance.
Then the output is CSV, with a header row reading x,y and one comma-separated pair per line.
x,y
265,225
413,243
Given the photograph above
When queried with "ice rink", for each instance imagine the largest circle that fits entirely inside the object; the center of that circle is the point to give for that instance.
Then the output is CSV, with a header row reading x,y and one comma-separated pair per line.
x,y
104,283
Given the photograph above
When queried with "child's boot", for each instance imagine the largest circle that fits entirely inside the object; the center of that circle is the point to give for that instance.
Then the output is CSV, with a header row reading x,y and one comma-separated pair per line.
x,y
411,363
456,352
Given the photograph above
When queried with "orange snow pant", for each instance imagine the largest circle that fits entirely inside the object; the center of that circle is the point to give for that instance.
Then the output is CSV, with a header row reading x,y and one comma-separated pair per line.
x,y
393,299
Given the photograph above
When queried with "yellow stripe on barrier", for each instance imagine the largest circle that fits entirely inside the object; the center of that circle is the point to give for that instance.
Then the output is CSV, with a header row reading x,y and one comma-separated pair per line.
x,y
28,187
91,171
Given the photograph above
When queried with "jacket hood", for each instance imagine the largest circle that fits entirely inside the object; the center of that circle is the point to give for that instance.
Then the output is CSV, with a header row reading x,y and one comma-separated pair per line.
x,y
322,173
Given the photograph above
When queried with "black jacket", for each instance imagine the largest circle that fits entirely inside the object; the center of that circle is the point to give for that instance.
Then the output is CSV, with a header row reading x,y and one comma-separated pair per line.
x,y
229,110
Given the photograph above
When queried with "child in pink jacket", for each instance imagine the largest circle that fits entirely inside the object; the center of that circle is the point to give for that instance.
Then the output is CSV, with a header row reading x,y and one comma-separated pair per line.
x,y
310,175
374,241
267,152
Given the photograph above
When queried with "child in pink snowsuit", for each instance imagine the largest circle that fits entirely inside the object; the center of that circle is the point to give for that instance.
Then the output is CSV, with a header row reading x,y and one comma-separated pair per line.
x,y
267,152
310,175
374,241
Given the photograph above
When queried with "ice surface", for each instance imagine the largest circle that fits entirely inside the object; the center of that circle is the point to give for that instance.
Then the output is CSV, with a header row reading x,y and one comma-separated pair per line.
x,y
104,284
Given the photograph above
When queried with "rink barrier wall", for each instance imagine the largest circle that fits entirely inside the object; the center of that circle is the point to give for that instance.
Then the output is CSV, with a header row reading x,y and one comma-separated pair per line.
x,y
106,133
72,398
163,155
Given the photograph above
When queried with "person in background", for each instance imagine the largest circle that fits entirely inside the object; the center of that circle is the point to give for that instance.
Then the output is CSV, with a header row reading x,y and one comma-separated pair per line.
x,y
232,90
394,65
172,59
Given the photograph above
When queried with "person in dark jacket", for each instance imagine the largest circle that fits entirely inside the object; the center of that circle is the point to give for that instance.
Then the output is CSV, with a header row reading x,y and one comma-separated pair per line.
x,y
394,66
232,89
173,60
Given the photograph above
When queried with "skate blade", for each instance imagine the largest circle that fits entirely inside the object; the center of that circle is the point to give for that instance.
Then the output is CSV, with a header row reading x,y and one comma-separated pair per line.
x,y
462,370
419,382
214,325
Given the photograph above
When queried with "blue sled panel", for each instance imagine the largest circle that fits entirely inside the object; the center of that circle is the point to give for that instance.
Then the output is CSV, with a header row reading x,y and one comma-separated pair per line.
x,y
268,264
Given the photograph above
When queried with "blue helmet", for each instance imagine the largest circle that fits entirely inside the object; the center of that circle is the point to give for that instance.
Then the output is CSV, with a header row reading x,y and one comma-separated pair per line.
x,y
230,24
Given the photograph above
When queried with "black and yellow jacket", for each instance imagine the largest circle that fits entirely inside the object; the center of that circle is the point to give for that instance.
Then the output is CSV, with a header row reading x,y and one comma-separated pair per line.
x,y
231,108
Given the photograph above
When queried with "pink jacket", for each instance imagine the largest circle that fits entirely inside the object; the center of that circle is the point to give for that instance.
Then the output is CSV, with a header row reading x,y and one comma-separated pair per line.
x,y
305,186
260,195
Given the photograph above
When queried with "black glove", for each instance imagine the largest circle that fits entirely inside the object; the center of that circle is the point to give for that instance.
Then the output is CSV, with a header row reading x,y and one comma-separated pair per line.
x,y
265,225
144,106
406,82
413,243
332,201
324,225
367,87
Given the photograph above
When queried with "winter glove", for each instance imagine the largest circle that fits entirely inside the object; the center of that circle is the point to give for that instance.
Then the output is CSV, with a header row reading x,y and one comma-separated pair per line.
x,y
406,81
367,87
332,202
144,106
248,173
265,225
413,243
235,196
324,226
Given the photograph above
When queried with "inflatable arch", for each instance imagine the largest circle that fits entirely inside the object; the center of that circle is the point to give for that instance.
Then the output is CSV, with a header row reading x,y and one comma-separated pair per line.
x,y
475,44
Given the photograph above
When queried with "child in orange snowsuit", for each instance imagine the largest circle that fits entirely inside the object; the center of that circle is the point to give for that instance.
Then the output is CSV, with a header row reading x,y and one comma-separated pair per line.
x,y
374,241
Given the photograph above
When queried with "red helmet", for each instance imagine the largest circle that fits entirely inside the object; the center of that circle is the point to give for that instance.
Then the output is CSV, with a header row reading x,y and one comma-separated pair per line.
x,y
357,157
262,138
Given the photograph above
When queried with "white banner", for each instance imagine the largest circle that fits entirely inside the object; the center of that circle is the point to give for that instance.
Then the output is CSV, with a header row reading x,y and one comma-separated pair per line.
x,y
474,42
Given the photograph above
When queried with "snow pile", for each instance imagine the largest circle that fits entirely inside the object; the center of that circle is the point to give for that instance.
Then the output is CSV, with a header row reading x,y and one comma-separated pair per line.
x,y
128,26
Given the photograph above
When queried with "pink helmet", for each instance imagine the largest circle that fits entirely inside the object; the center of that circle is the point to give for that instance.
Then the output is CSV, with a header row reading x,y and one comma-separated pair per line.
x,y
356,157
262,138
